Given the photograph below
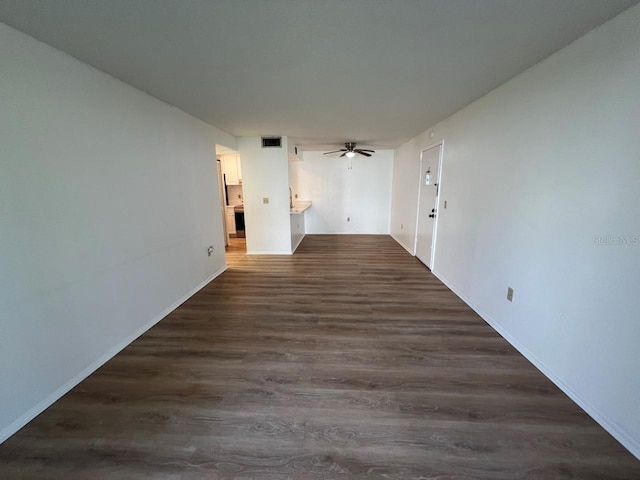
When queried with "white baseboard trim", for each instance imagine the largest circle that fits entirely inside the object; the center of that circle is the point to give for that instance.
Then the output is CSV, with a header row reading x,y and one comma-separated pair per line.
x,y
268,252
295,247
347,233
402,244
618,432
36,410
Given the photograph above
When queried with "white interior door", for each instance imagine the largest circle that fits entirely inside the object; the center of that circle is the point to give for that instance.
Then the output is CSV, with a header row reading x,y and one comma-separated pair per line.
x,y
428,205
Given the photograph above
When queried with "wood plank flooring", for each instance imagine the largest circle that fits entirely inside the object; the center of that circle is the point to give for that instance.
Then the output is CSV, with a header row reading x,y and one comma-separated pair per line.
x,y
345,360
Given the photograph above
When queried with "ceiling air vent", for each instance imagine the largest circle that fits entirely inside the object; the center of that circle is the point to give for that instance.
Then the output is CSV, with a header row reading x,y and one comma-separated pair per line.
x,y
271,142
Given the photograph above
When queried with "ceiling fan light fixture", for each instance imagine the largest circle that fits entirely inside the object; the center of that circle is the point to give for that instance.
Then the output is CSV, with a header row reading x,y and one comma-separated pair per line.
x,y
350,151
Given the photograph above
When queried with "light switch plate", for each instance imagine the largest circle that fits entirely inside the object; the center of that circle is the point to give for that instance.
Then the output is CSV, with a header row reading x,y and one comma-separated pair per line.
x,y
265,200
510,294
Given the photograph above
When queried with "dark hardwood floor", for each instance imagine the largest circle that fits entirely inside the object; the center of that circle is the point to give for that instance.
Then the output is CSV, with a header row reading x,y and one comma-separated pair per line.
x,y
345,360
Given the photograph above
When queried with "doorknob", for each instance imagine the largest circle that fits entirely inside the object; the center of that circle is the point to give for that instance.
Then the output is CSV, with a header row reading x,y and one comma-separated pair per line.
x,y
432,215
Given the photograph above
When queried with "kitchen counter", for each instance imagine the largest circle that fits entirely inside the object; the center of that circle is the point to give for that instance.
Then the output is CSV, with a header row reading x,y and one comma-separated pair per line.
x,y
299,207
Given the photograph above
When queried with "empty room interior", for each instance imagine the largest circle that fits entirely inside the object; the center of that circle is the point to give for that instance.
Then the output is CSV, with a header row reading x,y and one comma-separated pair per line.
x,y
320,239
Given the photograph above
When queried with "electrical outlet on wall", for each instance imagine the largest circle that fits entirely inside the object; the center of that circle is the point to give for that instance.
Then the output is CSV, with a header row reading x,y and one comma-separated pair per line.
x,y
265,200
510,294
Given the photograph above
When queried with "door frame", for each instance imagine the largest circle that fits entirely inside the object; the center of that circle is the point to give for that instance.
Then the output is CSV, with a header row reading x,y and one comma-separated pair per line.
x,y
223,199
439,143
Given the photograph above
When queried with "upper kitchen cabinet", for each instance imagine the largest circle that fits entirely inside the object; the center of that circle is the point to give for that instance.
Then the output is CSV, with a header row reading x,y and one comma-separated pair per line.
x,y
231,169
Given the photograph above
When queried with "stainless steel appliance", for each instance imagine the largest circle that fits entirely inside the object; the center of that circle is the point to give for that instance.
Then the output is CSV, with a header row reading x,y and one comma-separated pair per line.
x,y
239,214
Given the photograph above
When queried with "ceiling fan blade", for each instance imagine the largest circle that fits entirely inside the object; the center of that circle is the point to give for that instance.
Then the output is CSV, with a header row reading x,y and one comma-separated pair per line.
x,y
363,153
343,154
364,150
335,151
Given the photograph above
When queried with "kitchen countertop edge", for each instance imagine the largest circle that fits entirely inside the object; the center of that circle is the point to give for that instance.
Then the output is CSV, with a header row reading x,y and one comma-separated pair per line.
x,y
299,207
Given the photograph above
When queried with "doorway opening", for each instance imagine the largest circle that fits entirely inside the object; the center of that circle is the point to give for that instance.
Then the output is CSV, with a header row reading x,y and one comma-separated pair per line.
x,y
232,199
428,201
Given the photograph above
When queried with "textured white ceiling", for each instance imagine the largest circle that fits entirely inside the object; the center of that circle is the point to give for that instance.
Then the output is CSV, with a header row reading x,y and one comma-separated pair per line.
x,y
321,71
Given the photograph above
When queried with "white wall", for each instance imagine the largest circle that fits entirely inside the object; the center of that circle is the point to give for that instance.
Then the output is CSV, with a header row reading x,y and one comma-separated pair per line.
x,y
533,174
341,188
404,193
265,175
108,201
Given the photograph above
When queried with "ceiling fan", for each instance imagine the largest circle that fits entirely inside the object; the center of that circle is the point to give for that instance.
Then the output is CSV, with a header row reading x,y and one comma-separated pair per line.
x,y
350,151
